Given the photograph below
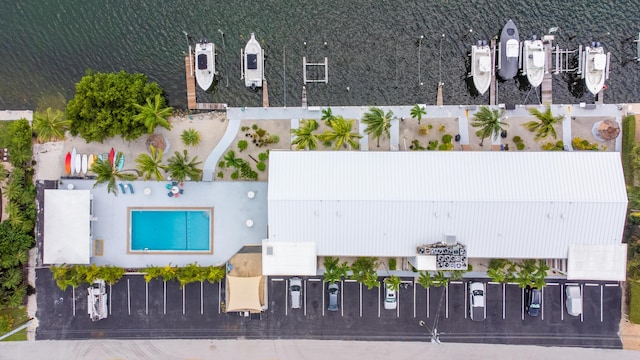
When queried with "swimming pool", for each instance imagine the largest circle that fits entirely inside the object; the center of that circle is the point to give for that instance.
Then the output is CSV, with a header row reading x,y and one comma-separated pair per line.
x,y
171,230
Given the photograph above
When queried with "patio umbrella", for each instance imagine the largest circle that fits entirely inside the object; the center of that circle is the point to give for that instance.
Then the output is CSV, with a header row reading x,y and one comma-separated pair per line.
x,y
608,129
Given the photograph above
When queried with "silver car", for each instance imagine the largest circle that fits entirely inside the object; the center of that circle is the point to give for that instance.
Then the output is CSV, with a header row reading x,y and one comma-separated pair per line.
x,y
574,300
295,292
333,296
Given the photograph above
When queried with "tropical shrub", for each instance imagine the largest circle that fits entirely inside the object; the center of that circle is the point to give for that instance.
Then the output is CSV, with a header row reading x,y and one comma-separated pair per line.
x,y
425,279
442,128
364,271
392,282
220,174
517,139
415,145
433,145
446,139
334,271
520,146
263,156
242,145
557,146
445,147
423,130
191,137
628,142
634,302
235,175
392,264
582,144
261,166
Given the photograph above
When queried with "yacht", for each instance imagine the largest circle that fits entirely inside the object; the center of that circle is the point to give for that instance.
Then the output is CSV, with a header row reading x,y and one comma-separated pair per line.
x,y
205,64
481,66
595,67
509,51
533,61
253,63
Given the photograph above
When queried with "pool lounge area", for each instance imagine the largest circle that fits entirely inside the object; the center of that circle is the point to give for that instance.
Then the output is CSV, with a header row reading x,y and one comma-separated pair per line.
x,y
240,219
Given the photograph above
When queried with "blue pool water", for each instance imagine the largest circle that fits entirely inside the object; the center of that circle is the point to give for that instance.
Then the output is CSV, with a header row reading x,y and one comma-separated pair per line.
x,y
170,230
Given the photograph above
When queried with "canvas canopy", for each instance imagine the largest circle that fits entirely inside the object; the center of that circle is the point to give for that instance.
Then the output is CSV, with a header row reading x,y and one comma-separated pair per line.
x,y
67,228
243,294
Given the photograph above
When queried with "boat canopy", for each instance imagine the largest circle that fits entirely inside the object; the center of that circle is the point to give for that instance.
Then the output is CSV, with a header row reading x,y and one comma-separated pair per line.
x,y
512,48
202,61
538,59
484,64
252,61
599,61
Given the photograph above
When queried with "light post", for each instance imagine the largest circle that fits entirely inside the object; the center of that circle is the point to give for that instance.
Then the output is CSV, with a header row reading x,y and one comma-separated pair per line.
x,y
440,63
419,48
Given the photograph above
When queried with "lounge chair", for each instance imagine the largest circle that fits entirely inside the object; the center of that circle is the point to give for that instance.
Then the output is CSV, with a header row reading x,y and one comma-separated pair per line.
x,y
170,194
122,188
168,186
131,188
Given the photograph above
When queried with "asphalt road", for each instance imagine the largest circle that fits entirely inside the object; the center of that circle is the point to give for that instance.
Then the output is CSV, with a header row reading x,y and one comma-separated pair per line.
x,y
159,310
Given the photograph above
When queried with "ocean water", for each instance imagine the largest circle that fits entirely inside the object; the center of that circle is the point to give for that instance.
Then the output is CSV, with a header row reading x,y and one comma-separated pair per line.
x,y
372,46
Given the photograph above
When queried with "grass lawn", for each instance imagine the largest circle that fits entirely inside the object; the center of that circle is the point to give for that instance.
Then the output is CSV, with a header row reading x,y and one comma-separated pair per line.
x,y
19,316
634,302
628,140
4,133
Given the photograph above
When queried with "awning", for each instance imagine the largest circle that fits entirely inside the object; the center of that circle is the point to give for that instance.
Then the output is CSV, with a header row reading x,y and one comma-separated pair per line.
x,y
289,258
67,233
597,262
243,294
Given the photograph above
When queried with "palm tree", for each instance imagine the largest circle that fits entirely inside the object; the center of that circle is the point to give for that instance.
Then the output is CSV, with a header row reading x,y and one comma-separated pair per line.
x,y
545,125
378,123
341,134
181,168
150,164
417,111
327,116
109,174
50,126
489,123
154,114
191,137
425,279
393,282
304,136
230,160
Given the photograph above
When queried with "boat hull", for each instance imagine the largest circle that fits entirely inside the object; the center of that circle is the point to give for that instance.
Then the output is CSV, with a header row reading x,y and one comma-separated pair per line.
x,y
253,63
533,61
481,67
509,51
205,65
594,69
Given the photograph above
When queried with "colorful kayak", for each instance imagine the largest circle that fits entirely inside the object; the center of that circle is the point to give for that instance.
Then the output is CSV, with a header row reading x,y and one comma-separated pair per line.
x,y
73,161
120,164
84,164
90,161
78,163
112,155
67,163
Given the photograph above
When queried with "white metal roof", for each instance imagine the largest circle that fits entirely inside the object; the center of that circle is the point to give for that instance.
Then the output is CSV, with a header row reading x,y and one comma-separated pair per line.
x,y
67,234
289,258
500,204
597,262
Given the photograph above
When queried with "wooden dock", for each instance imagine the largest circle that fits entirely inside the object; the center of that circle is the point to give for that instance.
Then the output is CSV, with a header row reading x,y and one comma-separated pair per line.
x,y
439,100
493,90
546,92
191,82
265,93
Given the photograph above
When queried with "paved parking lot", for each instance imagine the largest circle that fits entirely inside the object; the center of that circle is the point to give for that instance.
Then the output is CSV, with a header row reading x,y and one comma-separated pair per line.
x,y
163,310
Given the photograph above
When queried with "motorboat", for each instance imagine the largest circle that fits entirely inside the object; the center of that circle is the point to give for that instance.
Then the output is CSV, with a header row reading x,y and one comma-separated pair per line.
x,y
533,61
595,67
205,64
253,63
481,66
97,301
509,51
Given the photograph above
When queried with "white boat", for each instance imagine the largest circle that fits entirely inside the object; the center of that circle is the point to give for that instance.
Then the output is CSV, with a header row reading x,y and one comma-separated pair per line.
x,y
253,63
481,66
509,51
533,61
97,301
205,64
74,170
595,67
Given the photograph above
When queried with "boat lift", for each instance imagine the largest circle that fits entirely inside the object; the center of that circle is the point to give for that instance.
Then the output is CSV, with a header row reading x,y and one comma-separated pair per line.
x,y
326,71
562,60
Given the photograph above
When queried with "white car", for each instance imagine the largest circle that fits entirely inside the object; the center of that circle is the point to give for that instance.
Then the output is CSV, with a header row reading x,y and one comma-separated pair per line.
x,y
295,290
477,310
390,299
574,300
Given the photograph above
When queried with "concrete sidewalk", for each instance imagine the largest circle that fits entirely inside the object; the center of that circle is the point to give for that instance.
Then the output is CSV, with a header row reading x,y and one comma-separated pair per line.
x,y
286,349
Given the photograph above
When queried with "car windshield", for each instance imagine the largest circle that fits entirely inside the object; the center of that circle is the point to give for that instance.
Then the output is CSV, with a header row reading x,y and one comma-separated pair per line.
x,y
295,288
535,306
477,292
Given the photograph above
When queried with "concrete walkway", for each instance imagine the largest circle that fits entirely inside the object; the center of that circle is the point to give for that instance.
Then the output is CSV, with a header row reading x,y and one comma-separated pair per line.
x,y
209,167
291,349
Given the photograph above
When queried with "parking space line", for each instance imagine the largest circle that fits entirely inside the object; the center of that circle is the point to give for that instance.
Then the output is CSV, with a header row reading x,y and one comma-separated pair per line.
x,y
360,299
397,302
553,284
504,305
165,296
601,301
146,298
493,283
342,299
201,298
446,291
128,297
562,302
427,303
485,303
613,285
414,298
542,304
286,298
378,301
465,301
183,300
323,297
582,312
304,297
522,303
278,279
110,297
314,280
590,284
73,304
219,296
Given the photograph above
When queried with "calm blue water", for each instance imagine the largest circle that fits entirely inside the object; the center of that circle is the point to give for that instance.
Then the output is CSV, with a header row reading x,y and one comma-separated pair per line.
x,y
170,230
47,45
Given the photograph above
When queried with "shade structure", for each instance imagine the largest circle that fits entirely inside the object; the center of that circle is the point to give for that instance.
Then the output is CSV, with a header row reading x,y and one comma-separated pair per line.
x,y
243,294
67,232
608,129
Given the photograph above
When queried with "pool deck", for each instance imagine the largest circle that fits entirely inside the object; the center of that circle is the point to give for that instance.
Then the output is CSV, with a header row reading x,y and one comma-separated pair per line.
x,y
232,208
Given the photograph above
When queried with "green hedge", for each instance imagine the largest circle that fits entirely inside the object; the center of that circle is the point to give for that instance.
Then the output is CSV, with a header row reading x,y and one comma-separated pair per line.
x,y
634,302
628,140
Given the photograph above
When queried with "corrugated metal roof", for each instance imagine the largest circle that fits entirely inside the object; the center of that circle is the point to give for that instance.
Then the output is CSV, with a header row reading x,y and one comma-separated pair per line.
x,y
500,204
67,233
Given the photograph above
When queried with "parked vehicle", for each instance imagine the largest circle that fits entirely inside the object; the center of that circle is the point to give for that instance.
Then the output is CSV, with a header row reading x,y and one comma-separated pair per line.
x,y
97,301
295,292
574,300
533,301
477,309
390,299
333,297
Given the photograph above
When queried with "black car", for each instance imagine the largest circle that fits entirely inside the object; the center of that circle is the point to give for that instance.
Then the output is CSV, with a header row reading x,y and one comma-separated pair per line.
x,y
533,301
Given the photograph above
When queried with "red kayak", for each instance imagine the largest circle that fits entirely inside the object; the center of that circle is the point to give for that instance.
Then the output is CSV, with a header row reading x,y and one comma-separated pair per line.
x,y
67,163
112,155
